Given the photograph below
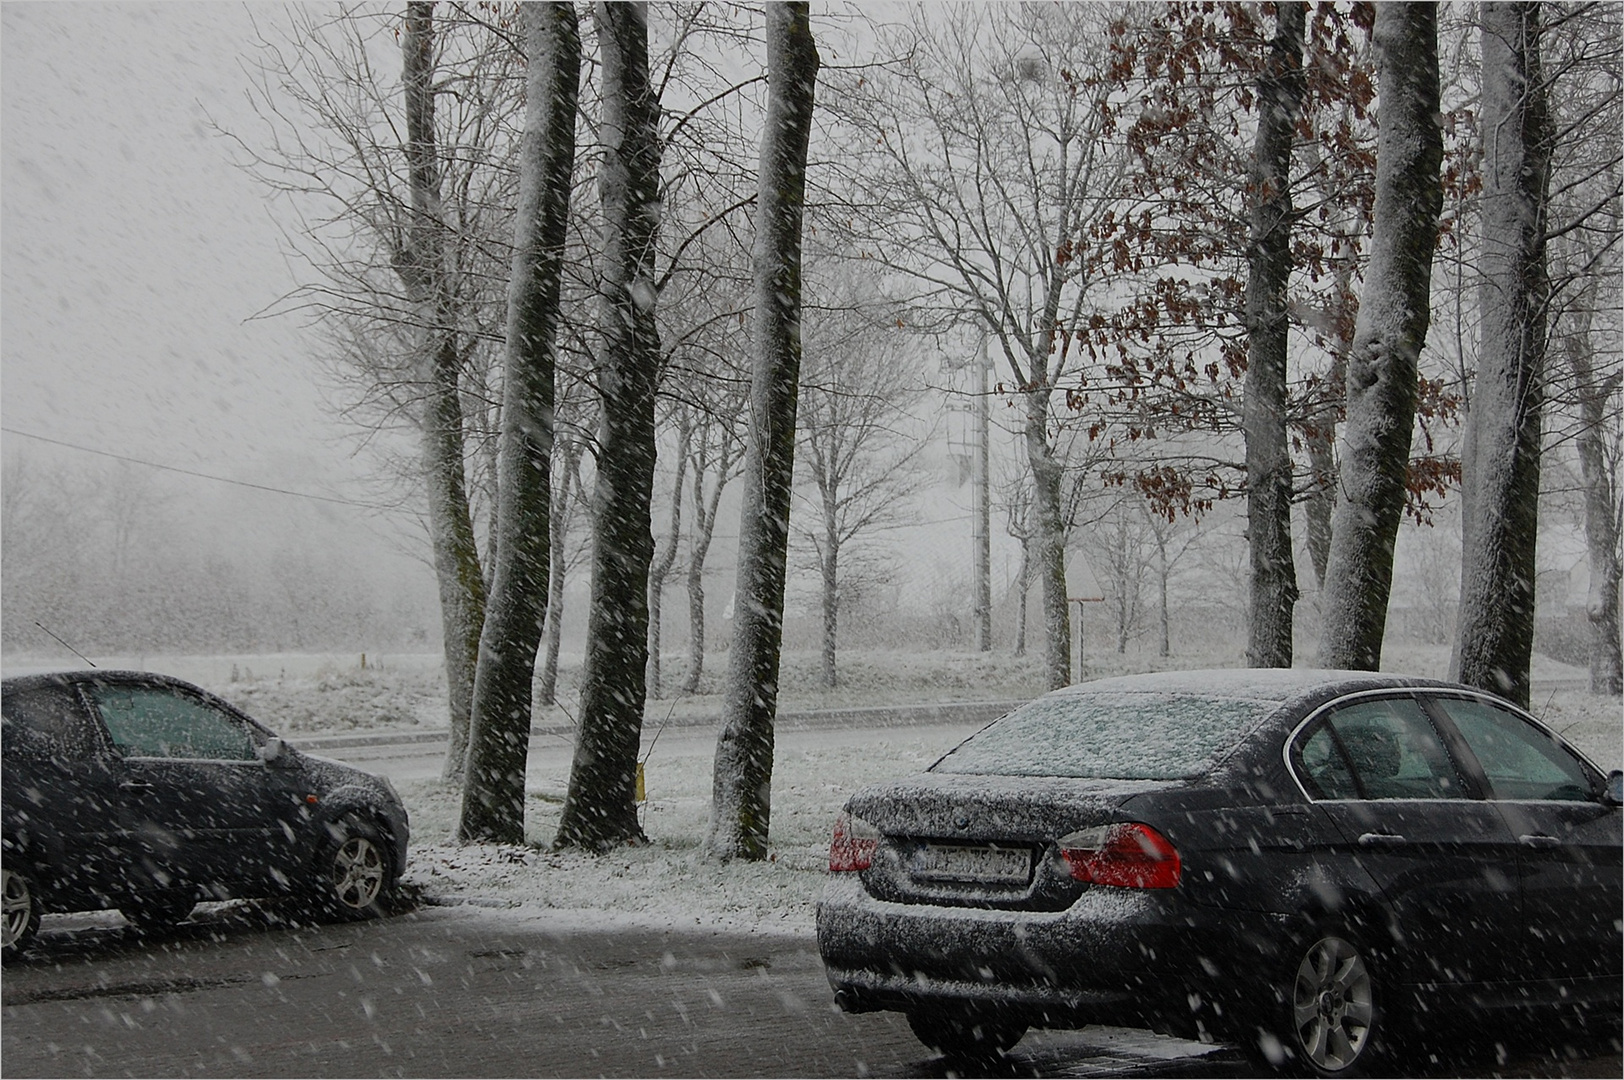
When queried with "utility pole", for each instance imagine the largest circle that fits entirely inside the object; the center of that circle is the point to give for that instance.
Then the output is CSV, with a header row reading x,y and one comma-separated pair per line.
x,y
981,528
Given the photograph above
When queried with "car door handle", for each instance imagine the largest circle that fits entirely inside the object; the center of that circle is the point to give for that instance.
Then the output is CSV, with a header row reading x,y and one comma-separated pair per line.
x,y
1536,840
136,785
1380,839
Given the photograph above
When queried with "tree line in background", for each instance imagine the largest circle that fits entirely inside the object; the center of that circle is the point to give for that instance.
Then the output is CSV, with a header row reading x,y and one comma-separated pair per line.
x,y
114,560
1261,252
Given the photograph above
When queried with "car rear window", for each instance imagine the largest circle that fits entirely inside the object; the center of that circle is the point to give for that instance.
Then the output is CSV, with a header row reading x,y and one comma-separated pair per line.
x,y
1130,736
47,721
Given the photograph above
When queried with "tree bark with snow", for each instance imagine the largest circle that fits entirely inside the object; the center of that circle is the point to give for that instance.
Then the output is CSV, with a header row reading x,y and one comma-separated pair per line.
x,y
741,797
1388,337
599,808
420,262
1500,461
515,612
1268,457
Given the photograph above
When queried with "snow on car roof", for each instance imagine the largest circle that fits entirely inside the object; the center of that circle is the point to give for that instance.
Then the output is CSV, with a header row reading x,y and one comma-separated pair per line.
x,y
1263,684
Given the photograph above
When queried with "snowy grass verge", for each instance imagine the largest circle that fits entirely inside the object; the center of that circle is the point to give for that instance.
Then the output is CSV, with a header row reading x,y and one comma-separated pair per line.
x,y
669,882
331,694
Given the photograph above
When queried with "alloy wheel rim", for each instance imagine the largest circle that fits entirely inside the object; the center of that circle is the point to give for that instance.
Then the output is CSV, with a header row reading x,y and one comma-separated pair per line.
x,y
357,872
18,907
1332,1006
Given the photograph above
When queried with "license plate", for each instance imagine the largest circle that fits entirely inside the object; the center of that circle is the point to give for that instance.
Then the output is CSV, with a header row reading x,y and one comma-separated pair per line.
x,y
953,862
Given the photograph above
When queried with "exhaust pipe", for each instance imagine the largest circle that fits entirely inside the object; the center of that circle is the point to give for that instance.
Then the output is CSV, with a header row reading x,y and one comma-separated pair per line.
x,y
851,1001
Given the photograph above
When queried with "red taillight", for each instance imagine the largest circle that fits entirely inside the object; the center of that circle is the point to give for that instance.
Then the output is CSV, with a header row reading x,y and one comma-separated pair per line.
x,y
853,845
1128,856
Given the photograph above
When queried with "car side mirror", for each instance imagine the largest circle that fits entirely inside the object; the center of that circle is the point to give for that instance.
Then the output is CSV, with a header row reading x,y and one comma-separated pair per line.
x,y
273,750
1615,788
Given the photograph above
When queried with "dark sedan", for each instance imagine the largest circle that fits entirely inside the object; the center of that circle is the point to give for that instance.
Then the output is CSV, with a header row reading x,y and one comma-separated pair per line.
x,y
143,793
1299,861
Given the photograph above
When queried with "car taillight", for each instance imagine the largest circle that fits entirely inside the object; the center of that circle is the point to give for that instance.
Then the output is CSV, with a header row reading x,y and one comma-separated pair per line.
x,y
853,845
1127,856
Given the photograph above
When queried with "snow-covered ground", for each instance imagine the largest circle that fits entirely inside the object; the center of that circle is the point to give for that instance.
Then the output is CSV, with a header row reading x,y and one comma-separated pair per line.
x,y
669,882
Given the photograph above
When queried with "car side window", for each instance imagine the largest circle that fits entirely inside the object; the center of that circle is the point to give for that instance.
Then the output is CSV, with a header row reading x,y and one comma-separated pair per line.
x,y
48,722
150,721
1520,760
1381,748
1325,766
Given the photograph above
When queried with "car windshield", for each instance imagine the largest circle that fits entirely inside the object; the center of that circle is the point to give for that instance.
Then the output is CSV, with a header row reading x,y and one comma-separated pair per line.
x,y
1130,736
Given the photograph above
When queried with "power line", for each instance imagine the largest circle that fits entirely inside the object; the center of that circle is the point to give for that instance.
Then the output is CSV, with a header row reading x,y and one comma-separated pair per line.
x,y
203,475
344,502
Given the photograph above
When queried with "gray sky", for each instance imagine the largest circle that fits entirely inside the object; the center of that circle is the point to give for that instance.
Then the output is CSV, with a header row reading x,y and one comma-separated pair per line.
x,y
133,257
134,254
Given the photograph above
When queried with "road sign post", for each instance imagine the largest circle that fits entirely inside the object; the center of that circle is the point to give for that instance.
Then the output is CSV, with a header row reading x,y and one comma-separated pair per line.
x,y
1081,588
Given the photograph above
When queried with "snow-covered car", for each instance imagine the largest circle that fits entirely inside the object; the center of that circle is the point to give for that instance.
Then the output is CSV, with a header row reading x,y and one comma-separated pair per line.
x,y
143,793
1298,861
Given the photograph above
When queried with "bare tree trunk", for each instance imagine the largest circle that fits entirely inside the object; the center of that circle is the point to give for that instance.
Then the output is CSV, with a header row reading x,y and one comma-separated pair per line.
x,y
1601,520
421,265
558,533
1319,436
1320,504
829,565
599,808
1049,535
1268,458
456,556
742,782
1500,460
696,624
665,558
1391,329
1023,583
699,542
1164,637
499,730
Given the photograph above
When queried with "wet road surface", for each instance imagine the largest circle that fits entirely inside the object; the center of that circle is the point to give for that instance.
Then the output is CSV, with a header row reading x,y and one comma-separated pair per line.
x,y
465,992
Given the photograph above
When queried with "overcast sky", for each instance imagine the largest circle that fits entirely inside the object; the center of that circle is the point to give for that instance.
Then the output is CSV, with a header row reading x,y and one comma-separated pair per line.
x,y
135,255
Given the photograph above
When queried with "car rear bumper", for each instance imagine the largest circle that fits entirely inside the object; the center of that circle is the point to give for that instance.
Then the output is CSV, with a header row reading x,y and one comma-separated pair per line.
x,y
1114,955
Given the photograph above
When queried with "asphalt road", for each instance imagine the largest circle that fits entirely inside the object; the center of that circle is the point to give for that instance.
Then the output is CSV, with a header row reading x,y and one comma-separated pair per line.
x,y
460,992
456,992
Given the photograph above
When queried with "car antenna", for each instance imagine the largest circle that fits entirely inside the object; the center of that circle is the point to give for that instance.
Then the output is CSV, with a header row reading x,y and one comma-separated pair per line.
x,y
66,646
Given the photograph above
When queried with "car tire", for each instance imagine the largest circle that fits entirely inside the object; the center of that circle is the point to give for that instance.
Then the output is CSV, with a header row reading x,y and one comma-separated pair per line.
x,y
1327,1018
354,878
965,1036
158,911
20,914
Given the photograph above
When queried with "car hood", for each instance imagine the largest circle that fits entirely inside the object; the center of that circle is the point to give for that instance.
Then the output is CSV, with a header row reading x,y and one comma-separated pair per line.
x,y
993,808
332,776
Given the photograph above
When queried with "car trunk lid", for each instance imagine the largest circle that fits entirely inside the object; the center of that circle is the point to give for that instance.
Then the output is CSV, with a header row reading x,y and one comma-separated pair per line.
x,y
984,841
